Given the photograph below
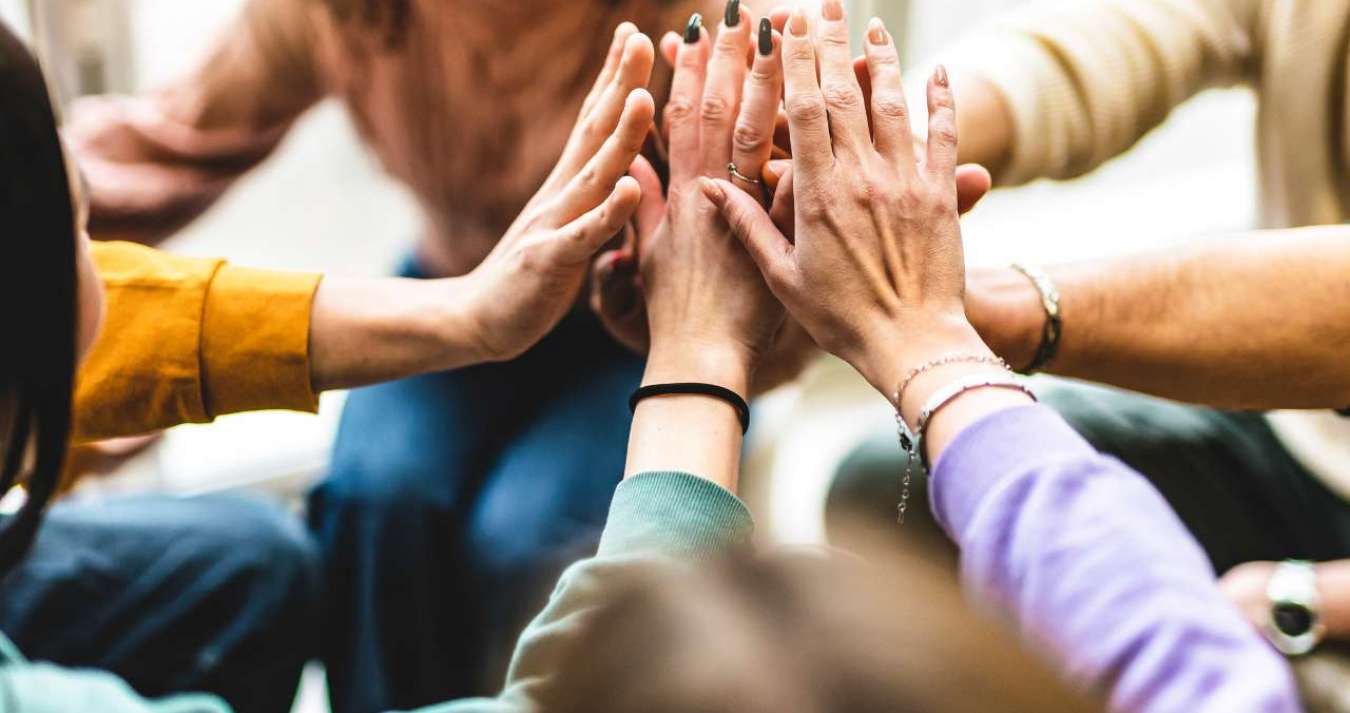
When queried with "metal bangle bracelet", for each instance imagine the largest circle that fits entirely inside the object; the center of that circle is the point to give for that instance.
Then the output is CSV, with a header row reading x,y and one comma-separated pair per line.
x,y
1053,329
949,393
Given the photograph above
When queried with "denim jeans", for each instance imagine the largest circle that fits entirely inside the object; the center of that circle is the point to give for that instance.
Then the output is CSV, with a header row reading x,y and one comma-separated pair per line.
x,y
213,594
454,502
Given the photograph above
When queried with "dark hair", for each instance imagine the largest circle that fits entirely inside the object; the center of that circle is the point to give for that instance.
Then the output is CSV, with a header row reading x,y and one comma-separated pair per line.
x,y
37,294
795,634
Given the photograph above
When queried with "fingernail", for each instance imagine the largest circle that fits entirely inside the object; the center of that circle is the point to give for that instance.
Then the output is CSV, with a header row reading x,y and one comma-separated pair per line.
x,y
876,31
693,32
733,16
940,75
797,23
832,10
765,37
711,190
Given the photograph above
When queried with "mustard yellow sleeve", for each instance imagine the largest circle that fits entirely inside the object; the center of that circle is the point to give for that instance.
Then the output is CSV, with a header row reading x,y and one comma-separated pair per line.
x,y
189,339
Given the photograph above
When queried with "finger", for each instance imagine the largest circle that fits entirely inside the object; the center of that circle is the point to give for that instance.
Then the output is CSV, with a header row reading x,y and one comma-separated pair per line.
x,y
634,72
768,247
670,47
891,131
612,58
942,140
783,209
652,210
973,183
808,120
865,84
838,83
616,296
590,186
681,116
752,142
579,240
773,172
778,17
722,93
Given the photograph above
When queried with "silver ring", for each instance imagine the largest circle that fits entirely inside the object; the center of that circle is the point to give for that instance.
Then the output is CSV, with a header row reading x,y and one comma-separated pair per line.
x,y
737,174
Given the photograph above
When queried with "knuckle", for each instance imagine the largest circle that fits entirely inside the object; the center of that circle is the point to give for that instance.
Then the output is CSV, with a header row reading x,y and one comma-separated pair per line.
x,y
805,108
890,106
842,96
679,110
942,132
716,109
749,138
799,52
835,40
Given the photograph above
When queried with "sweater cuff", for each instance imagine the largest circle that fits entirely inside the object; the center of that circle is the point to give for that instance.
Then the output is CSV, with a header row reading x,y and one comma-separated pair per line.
x,y
998,447
674,514
255,341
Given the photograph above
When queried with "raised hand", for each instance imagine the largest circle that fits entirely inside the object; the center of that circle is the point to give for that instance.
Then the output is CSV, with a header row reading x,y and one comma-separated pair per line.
x,y
735,121
704,295
876,274
532,278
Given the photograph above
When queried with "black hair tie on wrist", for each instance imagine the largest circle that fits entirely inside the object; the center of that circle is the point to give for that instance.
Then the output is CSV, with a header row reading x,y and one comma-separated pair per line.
x,y
717,392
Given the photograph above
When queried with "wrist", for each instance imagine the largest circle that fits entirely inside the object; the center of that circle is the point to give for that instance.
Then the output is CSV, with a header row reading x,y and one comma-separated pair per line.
x,y
1006,310
721,363
899,347
459,327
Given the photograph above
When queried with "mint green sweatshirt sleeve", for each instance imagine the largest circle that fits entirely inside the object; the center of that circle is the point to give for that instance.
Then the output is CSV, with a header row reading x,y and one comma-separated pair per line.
x,y
654,516
44,688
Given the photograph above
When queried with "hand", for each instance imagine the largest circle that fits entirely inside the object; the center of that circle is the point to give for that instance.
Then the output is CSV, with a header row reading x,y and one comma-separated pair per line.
x,y
1245,585
1006,310
877,273
531,279
705,299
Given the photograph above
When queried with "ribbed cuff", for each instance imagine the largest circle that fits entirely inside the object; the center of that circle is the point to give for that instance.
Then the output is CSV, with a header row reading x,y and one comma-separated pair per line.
x,y
1002,445
255,341
674,514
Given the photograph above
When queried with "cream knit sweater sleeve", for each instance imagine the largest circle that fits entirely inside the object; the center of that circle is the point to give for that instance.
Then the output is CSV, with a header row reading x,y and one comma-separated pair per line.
x,y
1087,79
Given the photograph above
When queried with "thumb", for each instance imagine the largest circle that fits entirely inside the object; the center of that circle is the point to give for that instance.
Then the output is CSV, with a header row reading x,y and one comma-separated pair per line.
x,y
651,209
768,247
973,183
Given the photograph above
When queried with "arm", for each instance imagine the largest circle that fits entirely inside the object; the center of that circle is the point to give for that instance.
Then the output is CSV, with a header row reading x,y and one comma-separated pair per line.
x,y
155,163
1056,88
1075,549
1171,323
189,339
1090,563
1246,586
712,318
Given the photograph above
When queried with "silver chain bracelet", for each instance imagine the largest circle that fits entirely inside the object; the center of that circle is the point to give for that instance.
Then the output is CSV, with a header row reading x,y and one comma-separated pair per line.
x,y
909,442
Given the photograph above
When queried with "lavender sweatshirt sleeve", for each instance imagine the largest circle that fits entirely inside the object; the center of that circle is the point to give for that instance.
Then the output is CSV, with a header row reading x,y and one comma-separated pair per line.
x,y
1093,567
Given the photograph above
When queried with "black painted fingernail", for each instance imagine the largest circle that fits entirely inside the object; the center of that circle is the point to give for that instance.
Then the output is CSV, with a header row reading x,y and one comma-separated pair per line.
x,y
765,37
693,32
733,16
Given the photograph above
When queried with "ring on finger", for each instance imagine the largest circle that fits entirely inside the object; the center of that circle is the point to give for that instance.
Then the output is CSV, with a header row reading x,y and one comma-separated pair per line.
x,y
735,173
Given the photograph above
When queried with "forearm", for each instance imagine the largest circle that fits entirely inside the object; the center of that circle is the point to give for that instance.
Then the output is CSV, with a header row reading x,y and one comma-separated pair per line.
x,y
692,434
1252,322
1046,526
368,331
984,123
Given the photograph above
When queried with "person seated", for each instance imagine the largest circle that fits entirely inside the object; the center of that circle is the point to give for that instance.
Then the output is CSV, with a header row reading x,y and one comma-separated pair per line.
x,y
468,105
221,596
1054,89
